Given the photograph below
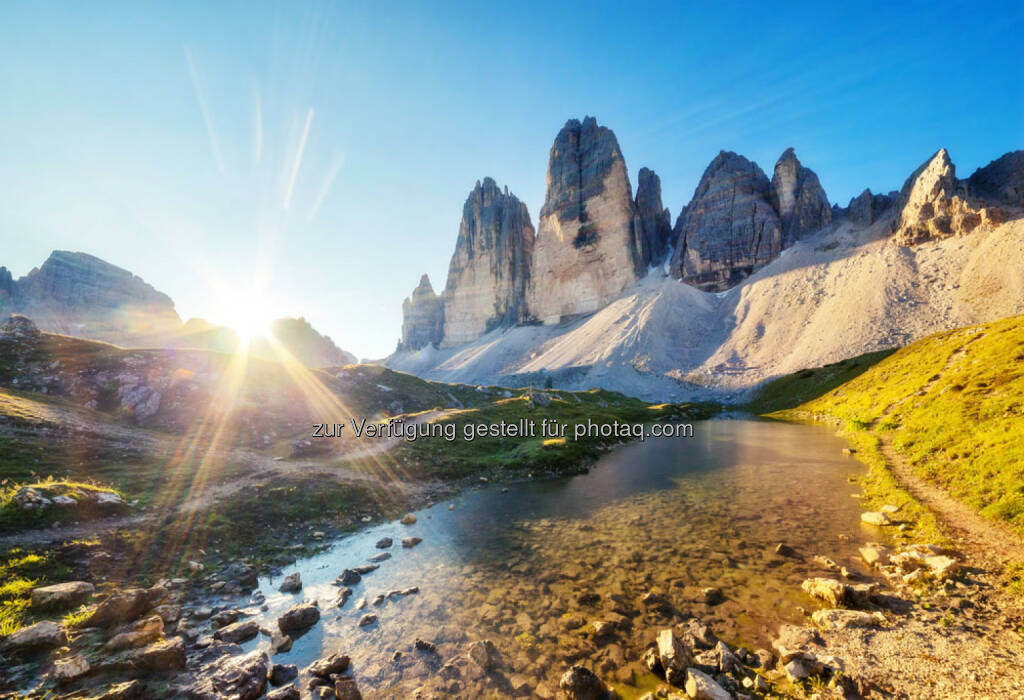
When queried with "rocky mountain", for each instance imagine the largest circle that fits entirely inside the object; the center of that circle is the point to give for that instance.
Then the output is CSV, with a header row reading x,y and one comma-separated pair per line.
x,y
867,208
422,317
798,199
1001,182
729,228
654,225
586,252
490,268
305,344
934,204
78,294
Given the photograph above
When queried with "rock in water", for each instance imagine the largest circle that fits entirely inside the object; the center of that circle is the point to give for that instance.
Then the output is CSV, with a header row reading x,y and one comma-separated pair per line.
x,y
422,318
933,205
798,198
240,677
700,686
729,228
292,583
162,656
586,252
490,268
674,657
654,230
298,618
580,683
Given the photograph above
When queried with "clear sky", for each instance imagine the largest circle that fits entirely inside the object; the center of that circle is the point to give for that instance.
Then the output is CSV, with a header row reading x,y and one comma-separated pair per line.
x,y
313,159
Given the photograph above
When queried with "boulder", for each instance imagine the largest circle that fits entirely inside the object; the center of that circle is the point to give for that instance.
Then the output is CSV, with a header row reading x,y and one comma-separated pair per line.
x,y
673,656
299,617
238,632
70,668
138,634
62,595
40,635
129,690
283,673
329,665
383,543
408,519
876,518
829,590
580,683
292,583
125,606
410,542
347,689
700,686
160,657
874,554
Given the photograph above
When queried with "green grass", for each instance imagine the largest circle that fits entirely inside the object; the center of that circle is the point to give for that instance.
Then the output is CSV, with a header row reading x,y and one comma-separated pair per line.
x,y
20,572
12,517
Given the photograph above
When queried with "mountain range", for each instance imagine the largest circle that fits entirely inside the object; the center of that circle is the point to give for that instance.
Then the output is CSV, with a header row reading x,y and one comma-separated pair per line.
x,y
756,277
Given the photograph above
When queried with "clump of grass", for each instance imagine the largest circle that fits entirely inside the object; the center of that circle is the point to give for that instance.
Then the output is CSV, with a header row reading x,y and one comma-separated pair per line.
x,y
20,572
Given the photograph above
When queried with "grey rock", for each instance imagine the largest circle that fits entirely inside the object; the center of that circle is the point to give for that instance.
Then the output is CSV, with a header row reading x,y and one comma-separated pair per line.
x,y
298,618
654,225
239,677
1000,182
329,665
283,673
238,632
422,317
292,583
62,595
867,208
798,198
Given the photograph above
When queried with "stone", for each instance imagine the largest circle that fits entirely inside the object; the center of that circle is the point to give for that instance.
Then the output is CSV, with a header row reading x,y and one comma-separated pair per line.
x,y
347,689
483,653
238,632
829,590
380,556
423,645
729,228
410,542
586,250
168,613
422,318
933,204
784,550
242,677
877,518
654,224
292,583
700,686
329,665
367,620
798,198
62,595
159,657
1001,182
674,657
40,635
349,577
838,619
139,634
874,554
712,596
728,662
280,643
299,617
289,692
383,543
282,673
125,606
70,668
580,683
942,567
408,519
490,268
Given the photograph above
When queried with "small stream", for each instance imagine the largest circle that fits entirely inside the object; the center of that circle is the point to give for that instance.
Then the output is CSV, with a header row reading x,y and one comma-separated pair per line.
x,y
530,569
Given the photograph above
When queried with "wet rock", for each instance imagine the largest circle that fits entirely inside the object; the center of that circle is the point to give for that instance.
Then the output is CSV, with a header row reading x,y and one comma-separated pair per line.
x,y
238,632
70,668
168,613
383,556
408,519
580,683
238,677
384,543
674,657
483,653
343,595
292,583
701,686
298,618
409,542
40,635
225,618
367,620
62,595
424,645
874,554
349,577
125,606
283,673
202,613
839,619
163,656
287,693
347,689
329,665
364,569
280,643
139,634
784,550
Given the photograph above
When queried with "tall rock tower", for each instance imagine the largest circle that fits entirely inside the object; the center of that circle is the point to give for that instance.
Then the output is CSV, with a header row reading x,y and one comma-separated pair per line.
x,y
587,249
490,268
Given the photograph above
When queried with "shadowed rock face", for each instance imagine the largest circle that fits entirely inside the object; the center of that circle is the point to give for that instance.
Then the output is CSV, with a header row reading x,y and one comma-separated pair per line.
x,y
78,294
307,346
654,228
798,199
490,268
729,228
933,204
867,208
422,318
1001,181
586,252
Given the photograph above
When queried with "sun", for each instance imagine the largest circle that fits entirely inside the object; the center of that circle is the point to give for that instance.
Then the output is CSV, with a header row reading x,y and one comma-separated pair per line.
x,y
249,322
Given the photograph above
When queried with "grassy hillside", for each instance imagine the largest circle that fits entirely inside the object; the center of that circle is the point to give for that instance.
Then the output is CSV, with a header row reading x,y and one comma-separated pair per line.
x,y
951,404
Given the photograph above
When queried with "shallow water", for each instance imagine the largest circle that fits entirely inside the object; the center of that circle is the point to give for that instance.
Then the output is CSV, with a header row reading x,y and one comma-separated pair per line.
x,y
519,568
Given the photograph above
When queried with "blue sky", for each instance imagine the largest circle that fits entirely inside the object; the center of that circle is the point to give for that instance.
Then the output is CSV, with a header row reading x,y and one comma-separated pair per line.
x,y
164,137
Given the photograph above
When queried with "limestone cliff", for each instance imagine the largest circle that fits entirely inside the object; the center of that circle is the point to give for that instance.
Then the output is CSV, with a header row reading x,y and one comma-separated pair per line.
x,y
78,294
654,229
490,268
867,208
933,204
586,252
422,317
798,198
729,228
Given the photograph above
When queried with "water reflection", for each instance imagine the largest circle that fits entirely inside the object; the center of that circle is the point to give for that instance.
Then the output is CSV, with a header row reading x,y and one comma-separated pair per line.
x,y
533,568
